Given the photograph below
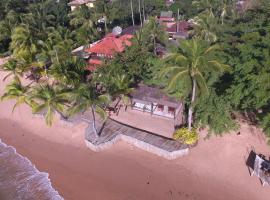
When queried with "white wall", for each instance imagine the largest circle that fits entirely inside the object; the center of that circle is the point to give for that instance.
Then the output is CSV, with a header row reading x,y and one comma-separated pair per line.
x,y
164,113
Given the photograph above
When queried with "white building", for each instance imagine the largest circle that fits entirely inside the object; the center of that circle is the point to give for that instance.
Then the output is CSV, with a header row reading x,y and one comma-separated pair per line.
x,y
76,3
155,101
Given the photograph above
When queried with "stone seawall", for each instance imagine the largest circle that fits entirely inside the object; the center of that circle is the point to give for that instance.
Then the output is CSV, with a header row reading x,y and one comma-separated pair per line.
x,y
140,144
112,131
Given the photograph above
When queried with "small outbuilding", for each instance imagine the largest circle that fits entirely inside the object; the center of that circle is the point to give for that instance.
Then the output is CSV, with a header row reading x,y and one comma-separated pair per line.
x,y
155,101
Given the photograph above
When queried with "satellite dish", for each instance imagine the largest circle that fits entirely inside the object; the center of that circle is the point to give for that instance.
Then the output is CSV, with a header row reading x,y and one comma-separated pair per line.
x,y
117,30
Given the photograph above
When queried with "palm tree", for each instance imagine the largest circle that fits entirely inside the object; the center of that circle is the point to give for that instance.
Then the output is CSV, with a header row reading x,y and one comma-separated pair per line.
x,y
103,11
132,13
188,70
119,87
211,12
23,44
70,71
12,68
154,33
50,99
206,6
8,24
55,48
224,11
85,96
205,27
212,8
82,19
17,91
24,47
40,19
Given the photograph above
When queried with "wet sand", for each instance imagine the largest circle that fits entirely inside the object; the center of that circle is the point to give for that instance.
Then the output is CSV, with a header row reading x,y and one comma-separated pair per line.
x,y
19,179
215,169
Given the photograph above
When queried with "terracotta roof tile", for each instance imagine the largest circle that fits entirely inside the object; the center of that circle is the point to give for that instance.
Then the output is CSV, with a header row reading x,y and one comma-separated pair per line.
x,y
172,27
110,45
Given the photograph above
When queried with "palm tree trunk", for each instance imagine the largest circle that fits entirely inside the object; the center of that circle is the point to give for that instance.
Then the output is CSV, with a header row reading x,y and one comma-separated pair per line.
x,y
132,13
140,13
105,24
154,40
143,7
190,110
46,72
94,122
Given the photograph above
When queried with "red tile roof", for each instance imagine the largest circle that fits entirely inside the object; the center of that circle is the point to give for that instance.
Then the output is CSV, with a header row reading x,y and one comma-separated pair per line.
x,y
172,27
166,19
107,47
110,45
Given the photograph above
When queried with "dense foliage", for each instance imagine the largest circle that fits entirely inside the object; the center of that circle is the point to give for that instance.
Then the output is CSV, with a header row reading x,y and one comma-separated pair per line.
x,y
246,45
40,35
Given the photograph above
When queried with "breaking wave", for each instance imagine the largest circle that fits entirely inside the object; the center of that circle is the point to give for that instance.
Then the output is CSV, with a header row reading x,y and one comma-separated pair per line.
x,y
20,180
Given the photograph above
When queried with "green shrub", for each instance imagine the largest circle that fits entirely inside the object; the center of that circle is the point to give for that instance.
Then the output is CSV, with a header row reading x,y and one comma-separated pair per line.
x,y
186,136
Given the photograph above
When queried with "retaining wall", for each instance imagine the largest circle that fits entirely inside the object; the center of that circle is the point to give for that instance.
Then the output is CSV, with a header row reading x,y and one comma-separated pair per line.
x,y
140,144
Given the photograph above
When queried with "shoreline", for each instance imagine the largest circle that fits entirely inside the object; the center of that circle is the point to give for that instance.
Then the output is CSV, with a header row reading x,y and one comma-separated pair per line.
x,y
19,177
214,169
74,169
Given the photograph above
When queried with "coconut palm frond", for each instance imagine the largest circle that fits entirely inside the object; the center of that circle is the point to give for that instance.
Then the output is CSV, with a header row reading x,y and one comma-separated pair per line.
x,y
101,112
212,49
220,67
49,116
77,108
125,99
39,108
103,99
201,83
170,70
50,99
175,78
17,91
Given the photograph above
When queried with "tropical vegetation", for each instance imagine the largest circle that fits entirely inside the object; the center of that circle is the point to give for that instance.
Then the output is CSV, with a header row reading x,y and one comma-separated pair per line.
x,y
220,72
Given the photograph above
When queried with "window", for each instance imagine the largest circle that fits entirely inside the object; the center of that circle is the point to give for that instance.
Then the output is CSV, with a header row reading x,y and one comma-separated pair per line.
x,y
171,110
160,108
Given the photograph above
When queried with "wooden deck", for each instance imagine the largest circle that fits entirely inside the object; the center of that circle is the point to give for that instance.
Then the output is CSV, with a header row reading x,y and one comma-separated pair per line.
x,y
111,129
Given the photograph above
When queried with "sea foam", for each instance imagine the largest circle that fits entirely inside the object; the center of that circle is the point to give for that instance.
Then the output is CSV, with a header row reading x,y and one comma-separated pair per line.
x,y
20,180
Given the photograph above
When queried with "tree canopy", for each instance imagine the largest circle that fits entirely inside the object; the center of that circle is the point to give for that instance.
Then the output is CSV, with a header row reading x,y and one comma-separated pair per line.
x,y
41,34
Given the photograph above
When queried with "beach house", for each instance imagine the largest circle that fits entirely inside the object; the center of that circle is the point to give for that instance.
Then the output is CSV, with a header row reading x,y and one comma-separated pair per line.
x,y
151,109
155,101
106,48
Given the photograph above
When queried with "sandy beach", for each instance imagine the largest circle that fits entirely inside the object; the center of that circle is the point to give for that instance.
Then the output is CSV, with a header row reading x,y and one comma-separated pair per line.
x,y
215,169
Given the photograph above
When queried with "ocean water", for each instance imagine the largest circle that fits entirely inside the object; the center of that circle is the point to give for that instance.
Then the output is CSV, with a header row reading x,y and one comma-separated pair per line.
x,y
20,180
